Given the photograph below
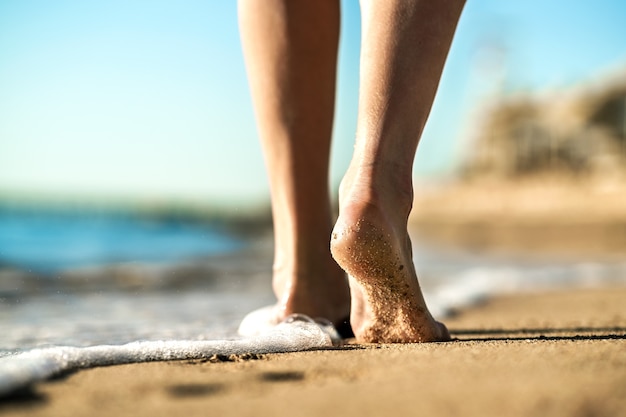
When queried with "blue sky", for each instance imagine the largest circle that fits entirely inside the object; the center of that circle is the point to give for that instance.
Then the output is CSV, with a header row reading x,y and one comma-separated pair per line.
x,y
148,99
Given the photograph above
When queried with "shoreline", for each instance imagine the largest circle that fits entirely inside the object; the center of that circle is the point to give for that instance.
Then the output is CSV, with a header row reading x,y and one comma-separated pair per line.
x,y
549,353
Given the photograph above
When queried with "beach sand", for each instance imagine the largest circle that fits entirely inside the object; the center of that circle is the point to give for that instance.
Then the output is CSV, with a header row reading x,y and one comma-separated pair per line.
x,y
552,353
546,217
537,199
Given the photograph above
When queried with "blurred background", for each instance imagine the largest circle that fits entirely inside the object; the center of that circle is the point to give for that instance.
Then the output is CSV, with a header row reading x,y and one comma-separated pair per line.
x,y
129,159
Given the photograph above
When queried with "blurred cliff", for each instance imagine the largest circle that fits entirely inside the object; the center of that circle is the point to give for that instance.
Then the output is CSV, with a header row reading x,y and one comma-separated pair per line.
x,y
541,171
580,132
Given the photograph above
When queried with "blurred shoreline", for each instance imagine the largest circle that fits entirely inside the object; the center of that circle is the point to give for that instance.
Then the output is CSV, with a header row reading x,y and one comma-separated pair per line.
x,y
63,249
459,233
545,218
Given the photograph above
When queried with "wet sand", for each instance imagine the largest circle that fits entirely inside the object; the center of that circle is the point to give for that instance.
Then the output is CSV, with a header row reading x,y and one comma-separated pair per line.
x,y
557,353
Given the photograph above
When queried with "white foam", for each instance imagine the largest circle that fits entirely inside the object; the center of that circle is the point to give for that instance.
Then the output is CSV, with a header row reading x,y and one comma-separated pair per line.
x,y
258,321
22,370
476,284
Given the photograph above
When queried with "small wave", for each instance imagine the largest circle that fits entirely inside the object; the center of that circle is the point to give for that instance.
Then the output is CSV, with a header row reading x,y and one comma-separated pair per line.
x,y
24,369
476,284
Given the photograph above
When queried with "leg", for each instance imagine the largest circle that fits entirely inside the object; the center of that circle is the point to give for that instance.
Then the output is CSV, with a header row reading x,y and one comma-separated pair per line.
x,y
290,49
404,48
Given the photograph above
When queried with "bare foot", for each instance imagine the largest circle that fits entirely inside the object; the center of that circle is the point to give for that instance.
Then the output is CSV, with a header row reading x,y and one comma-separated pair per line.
x,y
370,242
320,292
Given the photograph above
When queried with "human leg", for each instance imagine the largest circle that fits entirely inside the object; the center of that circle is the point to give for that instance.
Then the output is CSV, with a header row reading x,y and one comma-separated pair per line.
x,y
404,47
290,48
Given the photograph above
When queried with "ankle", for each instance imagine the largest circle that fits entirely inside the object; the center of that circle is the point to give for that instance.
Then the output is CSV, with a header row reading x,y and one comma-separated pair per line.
x,y
381,187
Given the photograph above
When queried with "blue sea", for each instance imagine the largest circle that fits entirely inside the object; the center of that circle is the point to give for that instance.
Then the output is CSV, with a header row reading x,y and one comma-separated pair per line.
x,y
48,242
83,278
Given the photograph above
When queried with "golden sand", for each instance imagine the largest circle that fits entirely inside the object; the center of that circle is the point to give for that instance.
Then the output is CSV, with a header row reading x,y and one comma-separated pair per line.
x,y
553,354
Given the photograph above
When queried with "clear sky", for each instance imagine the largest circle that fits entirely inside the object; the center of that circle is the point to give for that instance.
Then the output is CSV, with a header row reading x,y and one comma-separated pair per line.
x,y
149,99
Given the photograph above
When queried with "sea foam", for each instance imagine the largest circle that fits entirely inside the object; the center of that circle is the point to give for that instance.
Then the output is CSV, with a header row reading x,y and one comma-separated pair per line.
x,y
294,334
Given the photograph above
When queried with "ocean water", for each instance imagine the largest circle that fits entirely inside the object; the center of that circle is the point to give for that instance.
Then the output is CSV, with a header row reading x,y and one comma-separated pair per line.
x,y
84,279
79,279
47,242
